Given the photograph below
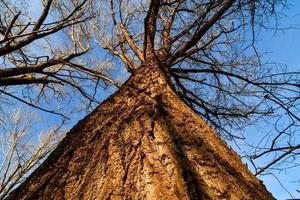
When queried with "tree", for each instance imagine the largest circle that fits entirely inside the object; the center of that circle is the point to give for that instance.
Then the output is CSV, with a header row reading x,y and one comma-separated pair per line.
x,y
20,154
146,141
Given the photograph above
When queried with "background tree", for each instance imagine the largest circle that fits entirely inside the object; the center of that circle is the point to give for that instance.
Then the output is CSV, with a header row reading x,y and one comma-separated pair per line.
x,y
208,50
22,148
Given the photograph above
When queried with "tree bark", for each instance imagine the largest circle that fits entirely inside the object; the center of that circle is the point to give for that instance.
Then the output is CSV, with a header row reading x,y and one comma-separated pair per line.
x,y
143,142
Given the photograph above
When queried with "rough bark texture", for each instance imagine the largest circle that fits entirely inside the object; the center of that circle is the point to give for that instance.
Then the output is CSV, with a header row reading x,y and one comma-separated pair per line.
x,y
142,143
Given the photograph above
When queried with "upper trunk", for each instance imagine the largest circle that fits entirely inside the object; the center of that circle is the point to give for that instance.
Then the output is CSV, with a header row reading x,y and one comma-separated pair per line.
x,y
142,143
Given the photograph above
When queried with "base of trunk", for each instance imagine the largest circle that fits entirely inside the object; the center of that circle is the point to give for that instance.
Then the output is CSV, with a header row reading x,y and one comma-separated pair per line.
x,y
142,143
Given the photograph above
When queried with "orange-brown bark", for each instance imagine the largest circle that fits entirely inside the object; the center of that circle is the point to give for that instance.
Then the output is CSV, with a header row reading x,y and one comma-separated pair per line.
x,y
142,143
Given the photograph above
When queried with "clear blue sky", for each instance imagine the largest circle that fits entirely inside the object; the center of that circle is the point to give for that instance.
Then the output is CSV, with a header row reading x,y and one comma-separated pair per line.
x,y
284,48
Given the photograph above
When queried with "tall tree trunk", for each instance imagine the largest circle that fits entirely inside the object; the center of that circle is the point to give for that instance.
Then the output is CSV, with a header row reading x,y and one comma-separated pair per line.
x,y
142,143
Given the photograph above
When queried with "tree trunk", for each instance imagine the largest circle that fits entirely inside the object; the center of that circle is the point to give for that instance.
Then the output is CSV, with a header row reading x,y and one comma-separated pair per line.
x,y
142,143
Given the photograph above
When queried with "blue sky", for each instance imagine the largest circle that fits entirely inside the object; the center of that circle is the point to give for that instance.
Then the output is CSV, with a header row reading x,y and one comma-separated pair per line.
x,y
284,47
